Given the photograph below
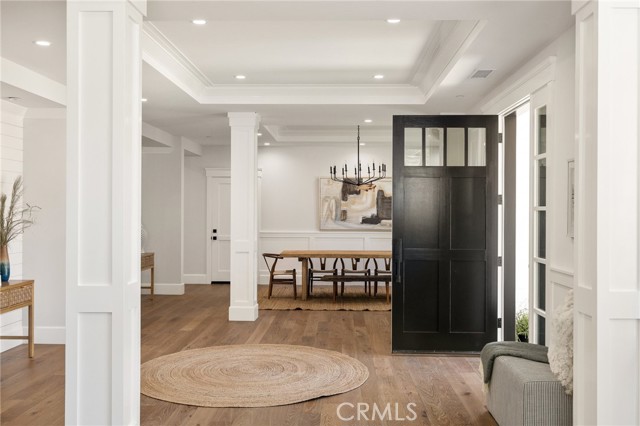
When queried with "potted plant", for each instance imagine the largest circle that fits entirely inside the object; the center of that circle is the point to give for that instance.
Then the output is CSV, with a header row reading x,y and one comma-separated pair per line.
x,y
13,221
522,325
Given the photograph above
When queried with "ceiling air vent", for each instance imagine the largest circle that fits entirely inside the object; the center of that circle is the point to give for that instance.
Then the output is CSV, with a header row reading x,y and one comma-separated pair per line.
x,y
481,73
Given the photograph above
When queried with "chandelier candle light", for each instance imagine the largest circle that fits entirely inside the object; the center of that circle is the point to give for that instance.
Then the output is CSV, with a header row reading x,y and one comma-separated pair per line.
x,y
358,180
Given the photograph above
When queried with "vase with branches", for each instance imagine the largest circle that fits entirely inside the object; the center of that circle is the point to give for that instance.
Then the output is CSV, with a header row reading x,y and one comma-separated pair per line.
x,y
14,219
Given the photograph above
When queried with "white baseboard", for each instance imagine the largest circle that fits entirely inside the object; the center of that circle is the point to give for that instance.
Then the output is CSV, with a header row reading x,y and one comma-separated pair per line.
x,y
243,313
165,289
195,279
49,335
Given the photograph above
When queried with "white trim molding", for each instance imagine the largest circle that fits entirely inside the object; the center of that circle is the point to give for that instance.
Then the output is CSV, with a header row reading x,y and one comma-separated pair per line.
x,y
211,172
512,92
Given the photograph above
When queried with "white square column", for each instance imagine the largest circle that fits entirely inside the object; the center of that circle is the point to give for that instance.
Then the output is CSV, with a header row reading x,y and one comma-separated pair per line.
x,y
102,374
607,257
244,216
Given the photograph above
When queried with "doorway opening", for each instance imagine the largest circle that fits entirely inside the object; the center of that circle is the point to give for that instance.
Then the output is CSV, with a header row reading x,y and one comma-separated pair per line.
x,y
516,220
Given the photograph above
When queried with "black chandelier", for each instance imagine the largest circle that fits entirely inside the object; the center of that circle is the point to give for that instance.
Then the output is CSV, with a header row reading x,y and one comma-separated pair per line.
x,y
357,179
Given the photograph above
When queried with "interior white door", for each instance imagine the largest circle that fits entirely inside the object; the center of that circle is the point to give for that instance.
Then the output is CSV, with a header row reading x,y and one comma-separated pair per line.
x,y
218,208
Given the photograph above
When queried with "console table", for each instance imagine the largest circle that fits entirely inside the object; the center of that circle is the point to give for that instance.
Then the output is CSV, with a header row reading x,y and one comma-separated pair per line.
x,y
147,261
16,295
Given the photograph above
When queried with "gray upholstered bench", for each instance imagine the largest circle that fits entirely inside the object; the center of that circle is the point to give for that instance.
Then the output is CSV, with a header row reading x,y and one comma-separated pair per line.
x,y
523,392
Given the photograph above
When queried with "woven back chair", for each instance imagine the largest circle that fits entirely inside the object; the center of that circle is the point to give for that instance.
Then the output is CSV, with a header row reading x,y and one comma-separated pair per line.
x,y
386,272
287,276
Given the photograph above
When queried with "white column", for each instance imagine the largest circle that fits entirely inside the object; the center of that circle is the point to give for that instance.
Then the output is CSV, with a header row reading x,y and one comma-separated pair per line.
x,y
607,289
103,212
244,216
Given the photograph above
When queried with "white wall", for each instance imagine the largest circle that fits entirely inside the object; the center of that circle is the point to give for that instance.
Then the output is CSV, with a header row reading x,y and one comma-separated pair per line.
x,y
11,166
162,217
290,181
44,243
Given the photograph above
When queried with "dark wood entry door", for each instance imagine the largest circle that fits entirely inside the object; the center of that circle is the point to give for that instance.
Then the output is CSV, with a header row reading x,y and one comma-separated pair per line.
x,y
444,233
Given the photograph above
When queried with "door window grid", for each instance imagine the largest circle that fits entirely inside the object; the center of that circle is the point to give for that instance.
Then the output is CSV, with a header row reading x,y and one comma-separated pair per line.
x,y
539,257
449,146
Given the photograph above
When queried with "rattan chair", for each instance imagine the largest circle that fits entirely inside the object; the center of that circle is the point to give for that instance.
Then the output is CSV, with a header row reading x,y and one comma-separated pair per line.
x,y
279,277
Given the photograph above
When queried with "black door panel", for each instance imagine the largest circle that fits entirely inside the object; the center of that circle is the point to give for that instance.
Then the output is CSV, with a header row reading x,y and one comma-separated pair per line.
x,y
445,235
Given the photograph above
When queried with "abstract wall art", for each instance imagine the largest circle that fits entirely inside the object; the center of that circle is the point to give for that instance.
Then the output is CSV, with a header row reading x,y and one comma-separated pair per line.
x,y
349,207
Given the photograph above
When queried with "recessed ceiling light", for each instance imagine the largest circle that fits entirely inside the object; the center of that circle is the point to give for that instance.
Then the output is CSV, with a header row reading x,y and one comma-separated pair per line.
x,y
362,144
378,76
143,100
43,43
240,77
267,144
259,134
368,120
393,21
199,22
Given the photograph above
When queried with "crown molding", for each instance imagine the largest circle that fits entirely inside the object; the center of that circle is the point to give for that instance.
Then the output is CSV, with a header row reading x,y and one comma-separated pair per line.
x,y
398,94
527,80
448,43
451,43
159,38
283,135
159,52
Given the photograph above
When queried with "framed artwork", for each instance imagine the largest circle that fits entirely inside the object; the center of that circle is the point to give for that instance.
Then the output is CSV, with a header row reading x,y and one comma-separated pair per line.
x,y
571,197
358,208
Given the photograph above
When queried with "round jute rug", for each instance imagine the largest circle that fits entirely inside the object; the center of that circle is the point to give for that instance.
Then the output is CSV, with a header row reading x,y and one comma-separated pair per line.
x,y
250,375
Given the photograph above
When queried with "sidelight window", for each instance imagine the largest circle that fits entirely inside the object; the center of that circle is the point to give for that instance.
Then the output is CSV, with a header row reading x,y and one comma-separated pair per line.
x,y
539,261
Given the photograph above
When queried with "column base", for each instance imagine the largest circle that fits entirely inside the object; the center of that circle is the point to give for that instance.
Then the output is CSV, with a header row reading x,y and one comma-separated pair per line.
x,y
243,313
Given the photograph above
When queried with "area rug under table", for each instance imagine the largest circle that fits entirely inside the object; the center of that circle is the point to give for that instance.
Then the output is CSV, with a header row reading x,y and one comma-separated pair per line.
x,y
250,375
354,299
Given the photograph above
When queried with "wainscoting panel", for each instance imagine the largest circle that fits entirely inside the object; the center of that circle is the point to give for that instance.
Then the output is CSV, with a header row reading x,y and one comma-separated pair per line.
x,y
275,242
560,282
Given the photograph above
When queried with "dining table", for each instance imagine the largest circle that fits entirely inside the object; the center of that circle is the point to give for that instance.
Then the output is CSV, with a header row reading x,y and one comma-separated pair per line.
x,y
304,255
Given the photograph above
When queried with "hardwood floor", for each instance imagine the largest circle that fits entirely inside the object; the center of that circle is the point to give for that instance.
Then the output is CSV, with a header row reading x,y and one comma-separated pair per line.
x,y
445,390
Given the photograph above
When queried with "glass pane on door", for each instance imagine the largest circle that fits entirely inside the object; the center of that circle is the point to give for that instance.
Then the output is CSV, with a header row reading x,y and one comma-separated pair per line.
x,y
541,123
540,327
542,182
540,283
477,155
455,146
433,146
413,146
542,235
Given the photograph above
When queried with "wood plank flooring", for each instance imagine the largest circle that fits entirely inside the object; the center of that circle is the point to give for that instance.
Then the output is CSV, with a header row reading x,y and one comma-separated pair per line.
x,y
445,390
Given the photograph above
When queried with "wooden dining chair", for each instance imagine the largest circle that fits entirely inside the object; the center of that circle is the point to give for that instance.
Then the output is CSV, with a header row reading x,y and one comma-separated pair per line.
x,y
317,274
386,273
279,277
355,272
